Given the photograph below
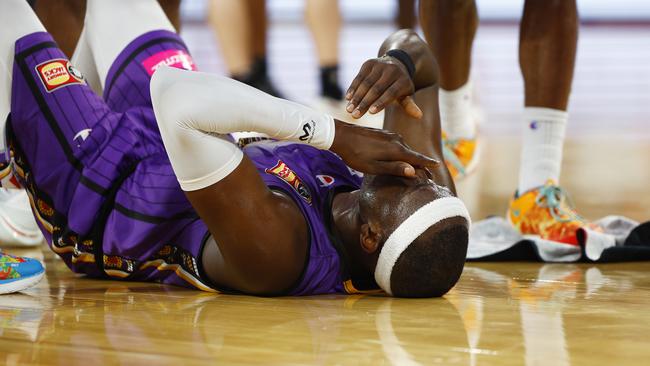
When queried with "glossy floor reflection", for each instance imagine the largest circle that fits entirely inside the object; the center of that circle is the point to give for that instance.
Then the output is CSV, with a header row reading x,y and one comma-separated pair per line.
x,y
499,314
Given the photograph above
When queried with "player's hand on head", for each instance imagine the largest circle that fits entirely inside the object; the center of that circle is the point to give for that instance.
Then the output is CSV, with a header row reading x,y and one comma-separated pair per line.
x,y
381,81
377,152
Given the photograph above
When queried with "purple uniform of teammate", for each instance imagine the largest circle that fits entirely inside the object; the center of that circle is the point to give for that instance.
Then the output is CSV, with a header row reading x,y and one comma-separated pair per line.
x,y
104,191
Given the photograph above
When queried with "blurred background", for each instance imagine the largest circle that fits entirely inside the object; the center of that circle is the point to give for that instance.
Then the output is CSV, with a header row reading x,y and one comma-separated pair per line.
x,y
612,63
608,134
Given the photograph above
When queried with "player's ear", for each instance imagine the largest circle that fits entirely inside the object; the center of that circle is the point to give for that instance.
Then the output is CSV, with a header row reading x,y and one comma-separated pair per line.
x,y
371,236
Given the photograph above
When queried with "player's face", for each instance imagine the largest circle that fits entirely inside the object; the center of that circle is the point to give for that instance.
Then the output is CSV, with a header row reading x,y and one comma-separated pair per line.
x,y
389,200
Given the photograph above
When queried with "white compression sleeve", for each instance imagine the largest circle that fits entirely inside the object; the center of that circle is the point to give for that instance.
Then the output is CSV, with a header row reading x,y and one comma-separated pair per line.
x,y
112,25
17,20
190,106
83,59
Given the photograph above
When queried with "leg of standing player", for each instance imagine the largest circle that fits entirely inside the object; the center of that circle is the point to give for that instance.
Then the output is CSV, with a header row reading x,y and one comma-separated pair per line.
x,y
324,20
547,50
241,27
235,44
449,27
405,17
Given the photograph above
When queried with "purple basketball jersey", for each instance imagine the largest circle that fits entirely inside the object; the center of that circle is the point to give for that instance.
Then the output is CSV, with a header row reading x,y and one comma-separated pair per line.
x,y
101,184
311,177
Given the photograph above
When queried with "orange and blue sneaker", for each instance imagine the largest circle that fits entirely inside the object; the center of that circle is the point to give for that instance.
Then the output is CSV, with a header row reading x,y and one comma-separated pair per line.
x,y
18,273
546,213
461,155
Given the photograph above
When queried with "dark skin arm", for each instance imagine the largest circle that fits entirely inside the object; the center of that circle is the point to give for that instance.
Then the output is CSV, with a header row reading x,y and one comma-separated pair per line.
x,y
262,236
394,91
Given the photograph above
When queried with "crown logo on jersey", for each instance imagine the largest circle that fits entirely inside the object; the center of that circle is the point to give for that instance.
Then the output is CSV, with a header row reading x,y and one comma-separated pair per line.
x,y
282,171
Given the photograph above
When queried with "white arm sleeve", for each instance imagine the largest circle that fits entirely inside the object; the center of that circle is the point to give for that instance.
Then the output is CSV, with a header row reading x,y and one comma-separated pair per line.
x,y
190,106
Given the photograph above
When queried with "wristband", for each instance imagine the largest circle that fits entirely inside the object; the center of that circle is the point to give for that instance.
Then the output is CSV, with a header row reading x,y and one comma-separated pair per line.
x,y
404,58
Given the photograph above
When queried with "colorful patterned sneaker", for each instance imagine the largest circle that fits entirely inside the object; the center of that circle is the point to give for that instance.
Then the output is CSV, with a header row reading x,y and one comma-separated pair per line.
x,y
461,155
546,213
18,273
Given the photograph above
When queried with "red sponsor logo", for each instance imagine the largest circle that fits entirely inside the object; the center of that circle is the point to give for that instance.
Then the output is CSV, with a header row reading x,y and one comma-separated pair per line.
x,y
58,73
325,180
172,58
282,171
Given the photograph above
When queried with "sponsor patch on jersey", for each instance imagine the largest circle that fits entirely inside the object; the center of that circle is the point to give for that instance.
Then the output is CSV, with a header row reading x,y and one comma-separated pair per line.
x,y
58,73
325,180
172,58
282,171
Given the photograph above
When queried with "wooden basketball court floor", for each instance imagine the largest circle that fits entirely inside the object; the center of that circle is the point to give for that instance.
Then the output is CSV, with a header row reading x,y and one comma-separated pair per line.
x,y
498,314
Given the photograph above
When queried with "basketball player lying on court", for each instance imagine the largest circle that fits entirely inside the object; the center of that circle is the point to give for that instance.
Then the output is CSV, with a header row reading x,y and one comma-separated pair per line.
x,y
291,217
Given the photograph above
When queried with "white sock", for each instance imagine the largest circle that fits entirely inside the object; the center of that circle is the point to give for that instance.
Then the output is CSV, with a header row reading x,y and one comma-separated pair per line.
x,y
541,155
456,112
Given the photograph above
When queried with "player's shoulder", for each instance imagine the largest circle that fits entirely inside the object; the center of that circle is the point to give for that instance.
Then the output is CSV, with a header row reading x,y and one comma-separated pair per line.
x,y
320,169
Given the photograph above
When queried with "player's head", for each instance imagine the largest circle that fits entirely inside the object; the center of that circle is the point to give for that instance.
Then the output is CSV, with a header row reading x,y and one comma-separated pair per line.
x,y
415,234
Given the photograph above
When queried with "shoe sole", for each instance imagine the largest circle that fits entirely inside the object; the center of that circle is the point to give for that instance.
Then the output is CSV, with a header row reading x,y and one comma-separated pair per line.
x,y
21,285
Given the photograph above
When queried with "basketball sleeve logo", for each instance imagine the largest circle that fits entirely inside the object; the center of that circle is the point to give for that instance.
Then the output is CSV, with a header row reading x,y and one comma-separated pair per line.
x,y
58,73
308,130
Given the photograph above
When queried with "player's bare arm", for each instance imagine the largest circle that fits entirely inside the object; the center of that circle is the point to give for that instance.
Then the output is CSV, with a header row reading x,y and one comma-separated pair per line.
x,y
263,237
408,97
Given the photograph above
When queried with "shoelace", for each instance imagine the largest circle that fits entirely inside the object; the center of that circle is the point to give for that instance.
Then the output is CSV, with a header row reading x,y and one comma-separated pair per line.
x,y
551,197
451,157
12,258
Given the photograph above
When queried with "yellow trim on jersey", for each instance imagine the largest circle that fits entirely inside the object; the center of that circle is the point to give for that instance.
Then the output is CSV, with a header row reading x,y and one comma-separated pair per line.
x,y
116,273
5,172
19,170
350,289
46,224
161,265
82,257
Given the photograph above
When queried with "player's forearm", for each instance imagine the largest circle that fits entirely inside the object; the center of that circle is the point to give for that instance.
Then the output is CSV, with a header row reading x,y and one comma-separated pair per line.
x,y
426,68
190,107
216,104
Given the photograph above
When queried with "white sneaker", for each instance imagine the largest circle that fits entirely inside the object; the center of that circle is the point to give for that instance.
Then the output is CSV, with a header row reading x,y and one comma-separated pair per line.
x,y
17,224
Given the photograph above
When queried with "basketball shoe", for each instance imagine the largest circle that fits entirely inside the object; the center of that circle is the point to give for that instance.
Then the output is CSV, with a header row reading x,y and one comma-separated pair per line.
x,y
461,155
18,273
17,224
546,213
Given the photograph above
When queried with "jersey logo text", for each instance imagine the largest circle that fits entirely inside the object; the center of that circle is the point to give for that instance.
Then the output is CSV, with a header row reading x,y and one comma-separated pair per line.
x,y
172,58
282,171
58,73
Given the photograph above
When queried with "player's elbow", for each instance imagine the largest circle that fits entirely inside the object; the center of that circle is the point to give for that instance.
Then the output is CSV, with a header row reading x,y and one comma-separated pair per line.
x,y
163,88
169,97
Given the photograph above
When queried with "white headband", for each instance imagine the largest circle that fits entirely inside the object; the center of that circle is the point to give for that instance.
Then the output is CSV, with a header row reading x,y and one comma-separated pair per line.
x,y
422,219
